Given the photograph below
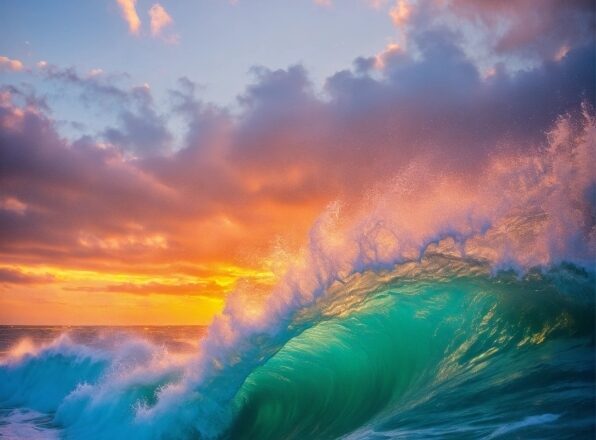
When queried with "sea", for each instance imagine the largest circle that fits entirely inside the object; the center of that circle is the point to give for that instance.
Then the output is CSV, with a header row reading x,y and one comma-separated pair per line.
x,y
448,352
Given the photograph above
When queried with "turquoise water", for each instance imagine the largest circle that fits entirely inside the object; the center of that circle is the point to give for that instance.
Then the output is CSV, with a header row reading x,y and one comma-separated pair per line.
x,y
462,355
465,358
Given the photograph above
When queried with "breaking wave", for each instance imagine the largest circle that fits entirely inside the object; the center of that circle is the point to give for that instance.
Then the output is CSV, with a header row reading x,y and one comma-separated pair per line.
x,y
443,306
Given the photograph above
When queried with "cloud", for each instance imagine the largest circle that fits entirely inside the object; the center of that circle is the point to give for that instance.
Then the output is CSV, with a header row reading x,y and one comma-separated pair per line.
x,y
400,12
10,65
139,128
13,205
93,86
129,13
207,290
12,276
144,132
493,31
390,51
324,3
40,170
519,28
159,19
241,183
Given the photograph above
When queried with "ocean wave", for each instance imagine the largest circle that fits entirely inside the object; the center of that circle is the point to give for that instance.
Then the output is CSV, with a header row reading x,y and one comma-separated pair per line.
x,y
431,287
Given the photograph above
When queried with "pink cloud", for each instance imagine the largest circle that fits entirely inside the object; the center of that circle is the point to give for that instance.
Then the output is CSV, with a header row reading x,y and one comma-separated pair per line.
x,y
159,19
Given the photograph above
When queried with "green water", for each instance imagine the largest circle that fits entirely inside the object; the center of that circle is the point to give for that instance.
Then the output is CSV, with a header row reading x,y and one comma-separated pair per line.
x,y
473,357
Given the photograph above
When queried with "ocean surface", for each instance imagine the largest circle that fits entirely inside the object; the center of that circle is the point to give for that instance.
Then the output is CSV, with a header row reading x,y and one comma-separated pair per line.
x,y
23,422
441,349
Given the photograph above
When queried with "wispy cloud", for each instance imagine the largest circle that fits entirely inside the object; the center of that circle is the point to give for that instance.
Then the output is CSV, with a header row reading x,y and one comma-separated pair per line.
x,y
159,19
15,276
129,13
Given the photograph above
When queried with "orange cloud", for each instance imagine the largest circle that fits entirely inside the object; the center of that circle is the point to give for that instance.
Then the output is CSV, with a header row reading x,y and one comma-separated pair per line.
x,y
119,294
390,50
11,65
159,19
129,13
400,12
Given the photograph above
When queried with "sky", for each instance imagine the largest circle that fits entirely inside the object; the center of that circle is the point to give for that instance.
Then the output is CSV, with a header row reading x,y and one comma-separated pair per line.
x,y
154,156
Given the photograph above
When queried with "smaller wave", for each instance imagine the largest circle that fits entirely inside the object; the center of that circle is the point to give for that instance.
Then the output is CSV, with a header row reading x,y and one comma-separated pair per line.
x,y
40,377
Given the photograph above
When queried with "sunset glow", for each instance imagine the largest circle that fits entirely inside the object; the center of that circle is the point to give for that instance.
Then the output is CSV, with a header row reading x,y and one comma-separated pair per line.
x,y
297,220
140,185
